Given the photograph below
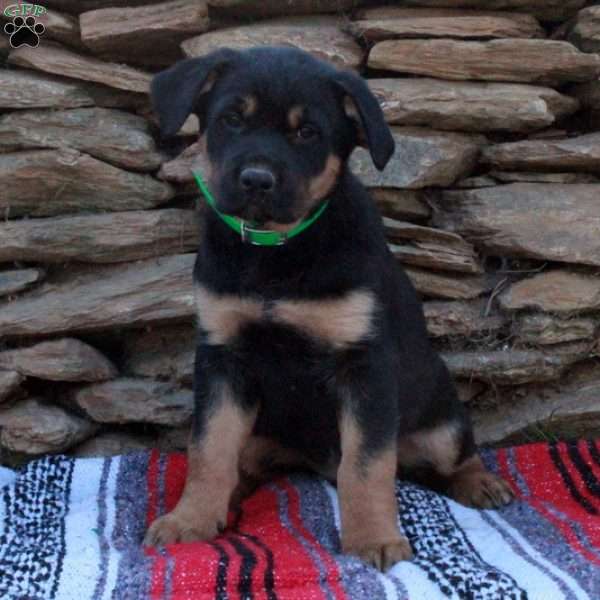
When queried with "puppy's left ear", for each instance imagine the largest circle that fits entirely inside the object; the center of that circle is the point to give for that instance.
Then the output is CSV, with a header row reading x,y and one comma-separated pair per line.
x,y
378,136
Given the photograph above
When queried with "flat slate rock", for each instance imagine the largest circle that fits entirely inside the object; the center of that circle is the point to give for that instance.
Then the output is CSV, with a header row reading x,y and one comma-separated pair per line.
x,y
547,10
132,294
272,8
78,6
543,221
430,248
470,105
10,384
423,158
569,410
33,426
408,205
162,353
517,60
320,36
450,286
580,153
27,89
399,22
39,183
114,443
108,238
462,319
531,177
66,359
12,282
544,329
61,61
557,291
114,136
145,35
129,400
515,367
179,169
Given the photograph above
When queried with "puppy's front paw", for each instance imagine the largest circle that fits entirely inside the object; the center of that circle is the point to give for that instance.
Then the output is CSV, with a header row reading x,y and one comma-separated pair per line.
x,y
481,489
173,528
381,555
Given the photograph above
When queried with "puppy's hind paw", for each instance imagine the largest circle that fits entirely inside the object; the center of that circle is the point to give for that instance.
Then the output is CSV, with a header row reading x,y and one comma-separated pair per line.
x,y
481,489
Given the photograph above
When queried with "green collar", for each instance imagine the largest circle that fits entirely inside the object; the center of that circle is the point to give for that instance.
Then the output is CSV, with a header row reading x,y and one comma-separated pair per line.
x,y
257,237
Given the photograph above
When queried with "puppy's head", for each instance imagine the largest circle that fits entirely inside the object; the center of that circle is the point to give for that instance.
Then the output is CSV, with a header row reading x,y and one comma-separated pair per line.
x,y
277,124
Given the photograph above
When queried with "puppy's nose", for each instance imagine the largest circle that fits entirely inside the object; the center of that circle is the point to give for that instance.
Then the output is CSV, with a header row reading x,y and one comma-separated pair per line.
x,y
257,179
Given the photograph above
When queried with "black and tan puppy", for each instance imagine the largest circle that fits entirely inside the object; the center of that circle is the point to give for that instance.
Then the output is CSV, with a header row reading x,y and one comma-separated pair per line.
x,y
312,349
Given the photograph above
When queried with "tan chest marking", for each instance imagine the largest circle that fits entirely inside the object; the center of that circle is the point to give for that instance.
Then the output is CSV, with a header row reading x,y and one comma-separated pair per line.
x,y
339,322
222,316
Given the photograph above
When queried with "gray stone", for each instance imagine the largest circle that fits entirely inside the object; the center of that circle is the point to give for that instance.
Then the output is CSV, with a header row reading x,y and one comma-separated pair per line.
x,y
111,135
40,183
320,36
108,237
528,61
59,360
581,153
58,60
33,426
557,291
542,221
133,294
423,158
12,282
129,400
470,105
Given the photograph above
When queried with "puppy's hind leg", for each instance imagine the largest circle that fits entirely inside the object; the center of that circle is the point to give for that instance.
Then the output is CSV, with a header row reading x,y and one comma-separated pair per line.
x,y
444,457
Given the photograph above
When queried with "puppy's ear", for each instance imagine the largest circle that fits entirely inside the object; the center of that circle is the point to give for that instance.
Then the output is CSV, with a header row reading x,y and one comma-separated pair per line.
x,y
176,90
378,136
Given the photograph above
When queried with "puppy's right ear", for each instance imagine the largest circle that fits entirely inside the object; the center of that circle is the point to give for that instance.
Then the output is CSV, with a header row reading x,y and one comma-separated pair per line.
x,y
175,91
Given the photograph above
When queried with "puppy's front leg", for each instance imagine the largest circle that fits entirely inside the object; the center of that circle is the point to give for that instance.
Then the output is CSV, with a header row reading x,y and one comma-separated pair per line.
x,y
366,486
222,426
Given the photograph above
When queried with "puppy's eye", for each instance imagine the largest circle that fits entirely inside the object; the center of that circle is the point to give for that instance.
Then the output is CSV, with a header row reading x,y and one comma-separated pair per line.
x,y
233,120
307,133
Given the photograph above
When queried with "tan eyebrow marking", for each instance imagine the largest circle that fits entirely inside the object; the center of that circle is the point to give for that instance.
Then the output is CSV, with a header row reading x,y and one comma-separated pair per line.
x,y
294,116
249,106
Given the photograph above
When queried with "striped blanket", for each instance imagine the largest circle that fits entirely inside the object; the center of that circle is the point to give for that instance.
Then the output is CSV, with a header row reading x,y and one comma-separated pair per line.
x,y
71,529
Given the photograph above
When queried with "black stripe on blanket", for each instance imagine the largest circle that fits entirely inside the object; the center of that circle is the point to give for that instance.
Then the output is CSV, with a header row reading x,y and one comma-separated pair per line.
x,y
587,475
31,564
444,552
594,452
569,483
269,580
248,563
221,583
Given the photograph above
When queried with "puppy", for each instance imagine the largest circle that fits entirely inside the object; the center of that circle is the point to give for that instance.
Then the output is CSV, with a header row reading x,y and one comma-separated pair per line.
x,y
312,350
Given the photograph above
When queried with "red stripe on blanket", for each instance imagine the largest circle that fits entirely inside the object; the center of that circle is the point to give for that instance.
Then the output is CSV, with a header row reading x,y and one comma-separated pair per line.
x,y
159,564
262,519
547,493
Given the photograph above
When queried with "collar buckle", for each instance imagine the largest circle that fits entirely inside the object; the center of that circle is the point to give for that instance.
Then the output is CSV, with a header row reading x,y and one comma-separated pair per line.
x,y
248,235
